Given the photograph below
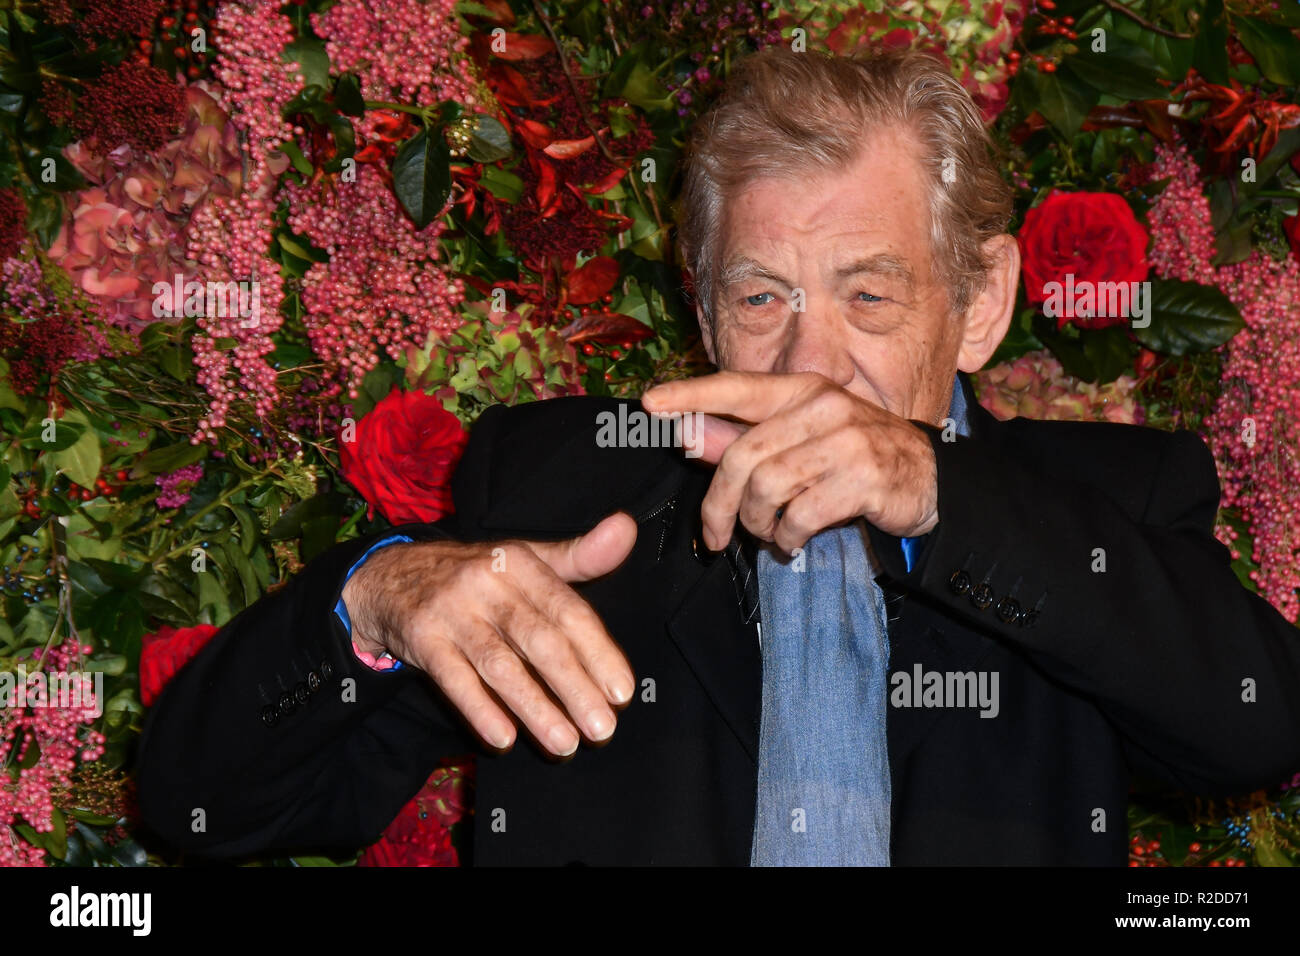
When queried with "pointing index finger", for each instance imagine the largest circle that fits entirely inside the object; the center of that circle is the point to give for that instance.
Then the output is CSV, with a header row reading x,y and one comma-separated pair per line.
x,y
749,396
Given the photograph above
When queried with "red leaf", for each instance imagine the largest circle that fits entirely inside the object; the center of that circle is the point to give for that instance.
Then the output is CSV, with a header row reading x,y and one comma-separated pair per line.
x,y
509,86
592,279
568,148
525,46
546,186
535,134
605,184
602,327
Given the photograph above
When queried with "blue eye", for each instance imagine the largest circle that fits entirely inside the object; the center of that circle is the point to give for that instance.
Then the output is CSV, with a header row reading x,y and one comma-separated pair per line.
x,y
870,297
757,295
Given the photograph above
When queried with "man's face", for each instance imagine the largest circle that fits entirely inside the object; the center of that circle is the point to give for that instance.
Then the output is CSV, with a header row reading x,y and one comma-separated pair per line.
x,y
857,244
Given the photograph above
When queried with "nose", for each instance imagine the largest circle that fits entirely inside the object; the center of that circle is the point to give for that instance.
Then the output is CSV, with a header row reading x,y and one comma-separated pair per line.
x,y
818,342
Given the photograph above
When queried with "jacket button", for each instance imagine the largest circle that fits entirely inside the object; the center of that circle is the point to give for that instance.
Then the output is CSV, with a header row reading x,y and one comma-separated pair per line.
x,y
1008,610
1028,617
313,681
982,596
287,704
326,670
270,715
300,691
959,583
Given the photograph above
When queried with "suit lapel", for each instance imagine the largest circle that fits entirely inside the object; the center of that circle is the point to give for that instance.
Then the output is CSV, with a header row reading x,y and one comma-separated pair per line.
x,y
919,638
711,634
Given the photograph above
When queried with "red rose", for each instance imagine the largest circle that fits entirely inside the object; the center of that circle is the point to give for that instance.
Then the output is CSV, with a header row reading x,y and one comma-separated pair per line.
x,y
402,457
165,652
1093,236
412,841
421,833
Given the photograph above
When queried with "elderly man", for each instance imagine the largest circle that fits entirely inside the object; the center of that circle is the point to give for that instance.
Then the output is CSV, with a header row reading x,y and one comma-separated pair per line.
x,y
882,628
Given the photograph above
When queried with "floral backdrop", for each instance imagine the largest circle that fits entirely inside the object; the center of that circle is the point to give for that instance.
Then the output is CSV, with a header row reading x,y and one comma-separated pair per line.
x,y
263,266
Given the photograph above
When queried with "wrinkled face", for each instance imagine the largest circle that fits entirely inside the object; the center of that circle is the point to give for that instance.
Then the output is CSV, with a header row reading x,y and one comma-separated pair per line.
x,y
855,247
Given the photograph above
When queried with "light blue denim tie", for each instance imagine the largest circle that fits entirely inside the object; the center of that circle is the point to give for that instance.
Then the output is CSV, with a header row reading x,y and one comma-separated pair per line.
x,y
823,763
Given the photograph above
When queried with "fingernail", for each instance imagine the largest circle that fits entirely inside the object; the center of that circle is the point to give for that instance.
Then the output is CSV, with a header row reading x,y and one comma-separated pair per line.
x,y
563,742
621,692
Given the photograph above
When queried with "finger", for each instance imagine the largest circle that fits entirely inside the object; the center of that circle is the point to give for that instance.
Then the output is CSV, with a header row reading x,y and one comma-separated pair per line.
x,y
778,479
721,505
750,396
596,651
599,551
819,506
500,667
458,679
551,653
706,436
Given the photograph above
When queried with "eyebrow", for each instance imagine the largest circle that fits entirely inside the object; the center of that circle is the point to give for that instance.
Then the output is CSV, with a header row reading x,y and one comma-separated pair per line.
x,y
741,268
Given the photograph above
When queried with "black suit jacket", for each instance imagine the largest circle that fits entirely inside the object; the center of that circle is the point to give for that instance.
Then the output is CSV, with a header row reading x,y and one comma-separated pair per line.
x,y
285,741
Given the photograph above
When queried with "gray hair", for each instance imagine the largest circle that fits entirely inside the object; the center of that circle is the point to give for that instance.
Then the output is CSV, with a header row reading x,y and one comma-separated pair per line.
x,y
788,114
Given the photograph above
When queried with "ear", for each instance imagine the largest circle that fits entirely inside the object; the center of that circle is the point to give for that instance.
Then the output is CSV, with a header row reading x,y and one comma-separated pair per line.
x,y
989,316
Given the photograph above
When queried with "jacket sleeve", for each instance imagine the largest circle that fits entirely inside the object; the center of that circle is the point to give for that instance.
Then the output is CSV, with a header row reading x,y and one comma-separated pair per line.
x,y
276,737
1200,676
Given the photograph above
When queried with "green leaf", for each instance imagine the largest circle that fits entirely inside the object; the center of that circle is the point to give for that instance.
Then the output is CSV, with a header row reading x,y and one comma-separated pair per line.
x,y
45,217
64,434
290,524
1187,317
422,176
1275,49
502,184
1126,70
312,60
300,162
168,458
489,141
81,460
347,95
1060,97
1210,46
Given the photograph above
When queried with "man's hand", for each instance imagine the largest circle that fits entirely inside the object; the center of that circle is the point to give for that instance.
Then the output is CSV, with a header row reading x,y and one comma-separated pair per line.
x,y
471,615
806,456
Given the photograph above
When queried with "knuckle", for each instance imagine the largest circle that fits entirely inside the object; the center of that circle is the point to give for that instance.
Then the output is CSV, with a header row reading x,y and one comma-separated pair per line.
x,y
497,663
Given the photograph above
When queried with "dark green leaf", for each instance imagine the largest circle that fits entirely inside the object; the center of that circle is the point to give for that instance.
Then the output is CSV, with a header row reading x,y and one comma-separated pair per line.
x,y
489,142
313,62
1187,317
168,458
290,524
422,176
1275,49
347,95
1210,46
1060,97
1125,70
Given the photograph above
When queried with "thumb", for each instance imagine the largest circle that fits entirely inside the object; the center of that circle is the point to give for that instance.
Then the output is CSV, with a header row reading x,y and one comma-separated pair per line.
x,y
707,436
599,551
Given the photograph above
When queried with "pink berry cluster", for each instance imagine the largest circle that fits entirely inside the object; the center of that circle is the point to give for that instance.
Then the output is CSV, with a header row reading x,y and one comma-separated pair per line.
x,y
385,284
1254,430
61,735
401,50
229,236
174,488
